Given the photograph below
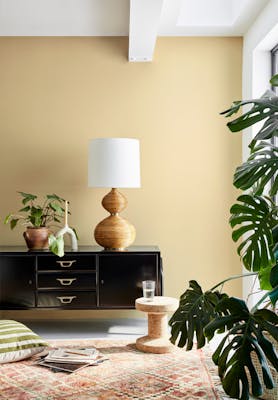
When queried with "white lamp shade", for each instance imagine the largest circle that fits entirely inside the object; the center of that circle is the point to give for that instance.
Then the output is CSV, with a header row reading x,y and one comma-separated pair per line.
x,y
114,163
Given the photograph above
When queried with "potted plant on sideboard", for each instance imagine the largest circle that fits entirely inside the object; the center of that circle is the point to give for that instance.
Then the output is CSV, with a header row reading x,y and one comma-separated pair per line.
x,y
38,218
247,353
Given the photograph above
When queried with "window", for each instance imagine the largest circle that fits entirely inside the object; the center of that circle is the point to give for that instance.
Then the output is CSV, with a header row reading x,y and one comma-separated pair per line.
x,y
274,63
274,70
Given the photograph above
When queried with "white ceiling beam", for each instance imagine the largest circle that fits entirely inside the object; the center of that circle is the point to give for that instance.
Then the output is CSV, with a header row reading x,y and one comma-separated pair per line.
x,y
144,21
64,17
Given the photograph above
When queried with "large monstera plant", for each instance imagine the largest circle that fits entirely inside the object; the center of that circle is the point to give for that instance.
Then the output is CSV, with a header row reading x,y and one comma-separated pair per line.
x,y
249,334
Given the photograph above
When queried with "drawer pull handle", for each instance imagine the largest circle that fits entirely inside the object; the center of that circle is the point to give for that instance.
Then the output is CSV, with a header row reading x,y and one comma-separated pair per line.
x,y
66,299
65,282
65,264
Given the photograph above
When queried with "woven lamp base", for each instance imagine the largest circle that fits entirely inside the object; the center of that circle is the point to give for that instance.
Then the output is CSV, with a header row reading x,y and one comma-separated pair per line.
x,y
114,232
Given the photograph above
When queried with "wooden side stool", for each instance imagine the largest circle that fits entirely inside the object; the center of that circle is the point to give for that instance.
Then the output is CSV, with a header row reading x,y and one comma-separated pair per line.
x,y
157,340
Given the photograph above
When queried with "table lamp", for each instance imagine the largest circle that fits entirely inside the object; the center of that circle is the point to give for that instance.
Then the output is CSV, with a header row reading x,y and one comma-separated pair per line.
x,y
114,163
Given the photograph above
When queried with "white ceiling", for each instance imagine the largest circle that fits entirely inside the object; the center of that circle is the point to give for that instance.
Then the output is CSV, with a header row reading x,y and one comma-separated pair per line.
x,y
141,20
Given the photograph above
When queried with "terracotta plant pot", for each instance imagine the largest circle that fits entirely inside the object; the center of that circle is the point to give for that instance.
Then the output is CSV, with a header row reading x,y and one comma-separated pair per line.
x,y
36,238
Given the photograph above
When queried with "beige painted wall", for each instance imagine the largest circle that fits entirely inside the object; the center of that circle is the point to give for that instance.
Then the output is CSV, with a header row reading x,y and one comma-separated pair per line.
x,y
57,93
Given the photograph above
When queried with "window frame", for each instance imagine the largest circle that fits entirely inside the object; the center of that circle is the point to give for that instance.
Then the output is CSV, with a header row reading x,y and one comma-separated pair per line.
x,y
274,61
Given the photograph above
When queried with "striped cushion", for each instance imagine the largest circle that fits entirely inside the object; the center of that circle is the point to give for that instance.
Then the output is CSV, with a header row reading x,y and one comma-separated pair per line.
x,y
18,342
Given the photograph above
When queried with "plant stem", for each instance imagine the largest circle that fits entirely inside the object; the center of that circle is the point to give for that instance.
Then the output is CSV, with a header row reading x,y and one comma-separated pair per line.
x,y
252,290
254,309
232,278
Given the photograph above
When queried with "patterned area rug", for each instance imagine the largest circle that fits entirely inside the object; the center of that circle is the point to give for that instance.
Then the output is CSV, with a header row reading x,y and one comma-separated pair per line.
x,y
128,374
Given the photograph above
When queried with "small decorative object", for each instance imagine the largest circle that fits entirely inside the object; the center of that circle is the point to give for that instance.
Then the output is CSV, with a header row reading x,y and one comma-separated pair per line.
x,y
157,340
37,218
56,242
114,163
148,290
246,357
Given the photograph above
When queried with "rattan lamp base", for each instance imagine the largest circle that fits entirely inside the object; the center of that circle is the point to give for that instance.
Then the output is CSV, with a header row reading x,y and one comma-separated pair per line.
x,y
114,232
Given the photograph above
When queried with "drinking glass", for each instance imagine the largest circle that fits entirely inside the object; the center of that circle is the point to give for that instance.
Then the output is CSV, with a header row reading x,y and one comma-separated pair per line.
x,y
148,290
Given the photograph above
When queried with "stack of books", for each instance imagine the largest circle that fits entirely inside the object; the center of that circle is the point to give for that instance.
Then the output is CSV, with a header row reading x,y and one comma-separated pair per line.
x,y
72,359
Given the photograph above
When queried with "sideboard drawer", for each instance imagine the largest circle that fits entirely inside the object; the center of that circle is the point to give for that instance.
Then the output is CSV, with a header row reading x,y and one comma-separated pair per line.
x,y
70,262
67,299
67,280
89,278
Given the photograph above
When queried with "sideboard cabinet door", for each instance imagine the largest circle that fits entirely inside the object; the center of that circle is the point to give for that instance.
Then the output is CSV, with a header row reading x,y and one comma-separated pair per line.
x,y
121,276
17,281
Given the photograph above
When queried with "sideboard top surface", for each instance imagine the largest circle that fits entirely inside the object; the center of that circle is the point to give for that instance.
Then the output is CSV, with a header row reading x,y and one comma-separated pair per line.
x,y
81,249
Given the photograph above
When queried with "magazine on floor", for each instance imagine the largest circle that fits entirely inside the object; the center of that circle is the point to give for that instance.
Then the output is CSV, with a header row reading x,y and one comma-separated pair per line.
x,y
71,359
72,355
62,367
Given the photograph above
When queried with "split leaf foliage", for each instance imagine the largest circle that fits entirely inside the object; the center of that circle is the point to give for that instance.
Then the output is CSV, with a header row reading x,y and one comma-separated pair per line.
x,y
246,337
196,310
253,222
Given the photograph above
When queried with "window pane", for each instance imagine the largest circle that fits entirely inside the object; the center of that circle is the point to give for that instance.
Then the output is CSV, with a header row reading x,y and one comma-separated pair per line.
x,y
274,70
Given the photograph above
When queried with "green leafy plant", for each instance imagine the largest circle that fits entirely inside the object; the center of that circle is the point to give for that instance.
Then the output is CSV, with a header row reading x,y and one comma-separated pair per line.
x,y
37,215
254,220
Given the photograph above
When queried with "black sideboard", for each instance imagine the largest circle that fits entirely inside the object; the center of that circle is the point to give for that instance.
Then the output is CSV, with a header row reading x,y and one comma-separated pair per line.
x,y
90,278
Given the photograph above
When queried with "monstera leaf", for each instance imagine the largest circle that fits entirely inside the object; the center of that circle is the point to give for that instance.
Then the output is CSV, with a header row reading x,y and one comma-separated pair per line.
x,y
254,215
245,338
196,310
268,130
274,80
265,107
274,283
259,169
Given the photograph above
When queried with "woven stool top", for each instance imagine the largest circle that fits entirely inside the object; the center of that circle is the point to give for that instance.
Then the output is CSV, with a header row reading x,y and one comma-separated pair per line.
x,y
157,305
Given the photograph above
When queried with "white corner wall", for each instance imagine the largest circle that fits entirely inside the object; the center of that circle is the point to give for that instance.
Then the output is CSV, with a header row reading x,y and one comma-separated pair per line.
x,y
258,41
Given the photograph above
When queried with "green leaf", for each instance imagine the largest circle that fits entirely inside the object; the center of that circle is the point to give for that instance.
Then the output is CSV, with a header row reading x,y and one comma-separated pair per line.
x,y
13,222
268,130
56,207
74,230
264,278
7,219
259,169
275,240
36,216
27,197
254,216
56,245
274,276
55,197
268,318
195,310
273,294
274,80
263,108
245,336
25,209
